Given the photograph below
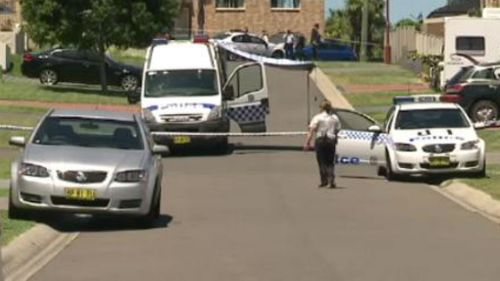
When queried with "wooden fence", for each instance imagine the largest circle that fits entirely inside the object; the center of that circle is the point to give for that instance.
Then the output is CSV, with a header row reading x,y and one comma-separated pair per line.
x,y
407,39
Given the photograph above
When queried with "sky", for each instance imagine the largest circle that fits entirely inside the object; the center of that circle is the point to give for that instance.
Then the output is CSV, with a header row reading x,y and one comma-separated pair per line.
x,y
399,8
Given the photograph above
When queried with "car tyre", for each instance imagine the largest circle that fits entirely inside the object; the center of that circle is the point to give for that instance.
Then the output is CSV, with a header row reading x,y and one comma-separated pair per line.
x,y
221,146
278,55
48,77
16,213
481,173
390,175
129,83
484,110
154,213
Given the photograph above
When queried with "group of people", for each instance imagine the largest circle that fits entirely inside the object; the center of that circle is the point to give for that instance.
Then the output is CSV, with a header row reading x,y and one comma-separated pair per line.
x,y
294,45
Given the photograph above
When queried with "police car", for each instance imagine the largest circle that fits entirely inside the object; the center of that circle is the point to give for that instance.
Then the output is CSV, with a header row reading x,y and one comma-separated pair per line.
x,y
428,136
421,135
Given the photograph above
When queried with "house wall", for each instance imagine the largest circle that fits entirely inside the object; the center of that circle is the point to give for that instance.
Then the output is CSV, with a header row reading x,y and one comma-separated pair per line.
x,y
257,15
491,3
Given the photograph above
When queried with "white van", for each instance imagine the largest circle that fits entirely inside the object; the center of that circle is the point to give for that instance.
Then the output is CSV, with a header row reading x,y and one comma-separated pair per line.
x,y
185,89
475,38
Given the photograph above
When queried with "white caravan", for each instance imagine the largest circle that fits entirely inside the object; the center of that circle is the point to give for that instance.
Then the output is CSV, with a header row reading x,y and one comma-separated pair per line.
x,y
478,39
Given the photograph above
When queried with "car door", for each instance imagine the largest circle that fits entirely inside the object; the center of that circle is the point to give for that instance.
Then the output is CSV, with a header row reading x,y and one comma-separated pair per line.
x,y
356,144
241,42
68,65
246,97
258,46
92,67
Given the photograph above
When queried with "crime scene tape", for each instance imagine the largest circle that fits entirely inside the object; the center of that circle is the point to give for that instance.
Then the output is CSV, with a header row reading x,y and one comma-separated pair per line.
x,y
264,134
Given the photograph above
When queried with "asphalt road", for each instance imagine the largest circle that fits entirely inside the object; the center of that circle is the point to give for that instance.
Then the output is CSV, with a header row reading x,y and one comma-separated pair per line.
x,y
256,214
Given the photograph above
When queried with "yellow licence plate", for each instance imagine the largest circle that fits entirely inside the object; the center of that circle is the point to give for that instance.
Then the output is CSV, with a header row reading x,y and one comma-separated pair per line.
x,y
80,193
182,139
439,161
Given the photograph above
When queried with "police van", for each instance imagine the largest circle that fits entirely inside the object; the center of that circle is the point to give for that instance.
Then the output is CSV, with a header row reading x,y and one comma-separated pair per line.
x,y
186,89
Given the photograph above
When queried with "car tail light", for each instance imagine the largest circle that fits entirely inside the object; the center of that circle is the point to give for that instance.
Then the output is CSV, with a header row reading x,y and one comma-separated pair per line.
x,y
28,57
451,98
456,88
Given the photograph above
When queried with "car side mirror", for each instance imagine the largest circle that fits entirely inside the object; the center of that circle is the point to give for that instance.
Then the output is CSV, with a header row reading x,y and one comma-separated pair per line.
x,y
228,92
375,129
18,141
160,149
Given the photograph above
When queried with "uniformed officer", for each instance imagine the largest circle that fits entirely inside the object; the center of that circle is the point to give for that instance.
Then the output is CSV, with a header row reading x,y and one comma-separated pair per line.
x,y
324,126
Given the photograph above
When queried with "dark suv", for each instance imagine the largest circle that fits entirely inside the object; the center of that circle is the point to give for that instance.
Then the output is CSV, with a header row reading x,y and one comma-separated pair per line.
x,y
78,66
477,89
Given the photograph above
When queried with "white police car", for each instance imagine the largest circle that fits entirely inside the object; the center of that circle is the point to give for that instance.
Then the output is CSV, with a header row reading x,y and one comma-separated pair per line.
x,y
428,136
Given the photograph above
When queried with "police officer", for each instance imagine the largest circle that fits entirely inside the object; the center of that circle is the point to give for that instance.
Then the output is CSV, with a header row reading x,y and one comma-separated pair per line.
x,y
324,126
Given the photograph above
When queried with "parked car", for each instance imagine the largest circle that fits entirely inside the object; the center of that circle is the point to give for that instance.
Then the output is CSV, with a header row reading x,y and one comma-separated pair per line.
x,y
331,50
249,43
78,66
97,162
477,89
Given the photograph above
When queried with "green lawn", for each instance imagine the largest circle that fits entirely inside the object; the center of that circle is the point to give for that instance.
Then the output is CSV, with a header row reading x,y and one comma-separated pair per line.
x,y
20,90
372,99
4,192
491,137
489,184
13,228
345,73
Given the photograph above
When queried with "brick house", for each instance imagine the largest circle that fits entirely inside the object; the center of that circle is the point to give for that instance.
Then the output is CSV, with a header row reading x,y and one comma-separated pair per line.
x,y
213,16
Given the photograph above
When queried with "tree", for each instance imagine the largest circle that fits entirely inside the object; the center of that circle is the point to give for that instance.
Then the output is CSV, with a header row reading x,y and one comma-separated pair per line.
x,y
98,24
346,23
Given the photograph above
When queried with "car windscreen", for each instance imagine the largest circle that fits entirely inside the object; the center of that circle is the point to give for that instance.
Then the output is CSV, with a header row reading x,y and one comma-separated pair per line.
x,y
89,132
462,75
431,118
181,83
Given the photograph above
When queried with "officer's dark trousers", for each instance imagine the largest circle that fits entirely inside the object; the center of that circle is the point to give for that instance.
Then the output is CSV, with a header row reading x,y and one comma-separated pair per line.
x,y
325,154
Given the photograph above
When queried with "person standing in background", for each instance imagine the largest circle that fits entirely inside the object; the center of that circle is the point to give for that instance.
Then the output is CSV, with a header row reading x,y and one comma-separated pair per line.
x,y
324,126
265,37
315,40
289,42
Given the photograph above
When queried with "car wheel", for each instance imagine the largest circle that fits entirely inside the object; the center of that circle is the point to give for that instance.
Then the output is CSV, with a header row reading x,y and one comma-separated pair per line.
x,y
16,213
278,55
48,77
484,110
154,211
129,83
390,175
481,173
221,146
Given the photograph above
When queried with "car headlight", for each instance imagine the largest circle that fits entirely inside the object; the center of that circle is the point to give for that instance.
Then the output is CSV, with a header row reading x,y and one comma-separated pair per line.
x,y
131,176
405,147
148,116
215,113
32,170
470,145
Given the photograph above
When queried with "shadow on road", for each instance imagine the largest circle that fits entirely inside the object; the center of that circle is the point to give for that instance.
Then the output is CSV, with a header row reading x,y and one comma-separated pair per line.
x,y
85,89
88,223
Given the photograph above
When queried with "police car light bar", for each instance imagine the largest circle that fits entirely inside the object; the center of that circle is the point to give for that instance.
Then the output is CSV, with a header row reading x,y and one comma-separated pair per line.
x,y
416,99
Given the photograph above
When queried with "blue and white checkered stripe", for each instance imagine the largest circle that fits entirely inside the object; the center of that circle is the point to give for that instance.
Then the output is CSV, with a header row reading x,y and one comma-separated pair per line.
x,y
362,135
247,113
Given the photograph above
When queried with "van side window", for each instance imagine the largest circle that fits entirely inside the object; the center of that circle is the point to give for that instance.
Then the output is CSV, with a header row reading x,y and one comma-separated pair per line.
x,y
471,45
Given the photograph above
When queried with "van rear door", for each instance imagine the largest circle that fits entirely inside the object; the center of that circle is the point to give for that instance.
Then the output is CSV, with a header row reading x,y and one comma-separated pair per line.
x,y
246,97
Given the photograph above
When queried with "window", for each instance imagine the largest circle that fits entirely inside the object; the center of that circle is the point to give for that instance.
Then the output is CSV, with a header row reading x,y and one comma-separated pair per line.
x,y
350,120
230,4
431,118
247,80
484,74
285,4
69,54
181,83
472,45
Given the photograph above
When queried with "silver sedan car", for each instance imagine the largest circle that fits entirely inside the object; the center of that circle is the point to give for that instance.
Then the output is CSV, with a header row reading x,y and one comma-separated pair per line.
x,y
88,162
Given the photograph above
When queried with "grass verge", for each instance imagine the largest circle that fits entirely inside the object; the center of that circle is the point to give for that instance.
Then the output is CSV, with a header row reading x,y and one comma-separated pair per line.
x,y
13,228
363,73
32,91
489,184
4,192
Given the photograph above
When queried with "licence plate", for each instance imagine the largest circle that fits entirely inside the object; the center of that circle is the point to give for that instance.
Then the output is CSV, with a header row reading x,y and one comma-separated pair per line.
x,y
182,139
80,193
439,161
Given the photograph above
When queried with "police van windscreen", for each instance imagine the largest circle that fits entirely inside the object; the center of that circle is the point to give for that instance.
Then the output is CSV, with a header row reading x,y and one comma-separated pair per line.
x,y
431,118
181,83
